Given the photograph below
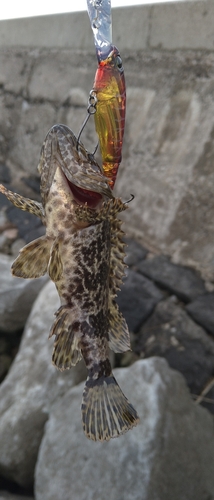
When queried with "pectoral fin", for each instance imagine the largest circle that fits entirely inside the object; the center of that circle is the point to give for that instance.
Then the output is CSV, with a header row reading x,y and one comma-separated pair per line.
x,y
66,351
119,339
26,204
32,261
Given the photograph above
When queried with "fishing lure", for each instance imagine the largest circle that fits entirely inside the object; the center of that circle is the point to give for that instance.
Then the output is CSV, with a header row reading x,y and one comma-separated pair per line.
x,y
83,253
109,89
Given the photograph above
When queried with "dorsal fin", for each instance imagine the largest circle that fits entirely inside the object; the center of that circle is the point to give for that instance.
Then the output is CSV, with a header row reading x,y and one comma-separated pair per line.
x,y
117,265
119,339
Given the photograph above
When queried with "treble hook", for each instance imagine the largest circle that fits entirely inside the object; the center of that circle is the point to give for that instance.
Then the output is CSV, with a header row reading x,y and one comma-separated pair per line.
x,y
91,109
132,198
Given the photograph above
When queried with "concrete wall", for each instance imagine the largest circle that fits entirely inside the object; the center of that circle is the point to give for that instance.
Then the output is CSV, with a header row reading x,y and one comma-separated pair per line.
x,y
47,67
179,25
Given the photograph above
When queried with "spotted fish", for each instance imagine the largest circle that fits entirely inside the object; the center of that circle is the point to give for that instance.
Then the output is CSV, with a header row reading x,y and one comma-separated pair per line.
x,y
82,251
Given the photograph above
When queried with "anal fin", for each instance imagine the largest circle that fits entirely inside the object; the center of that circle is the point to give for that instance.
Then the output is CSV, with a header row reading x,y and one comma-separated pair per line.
x,y
32,261
119,338
106,412
66,351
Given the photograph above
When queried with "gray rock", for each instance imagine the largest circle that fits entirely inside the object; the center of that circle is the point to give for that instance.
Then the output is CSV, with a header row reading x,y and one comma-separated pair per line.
x,y
5,362
137,299
134,252
170,454
17,246
172,334
180,280
202,311
5,495
23,221
4,173
16,296
27,393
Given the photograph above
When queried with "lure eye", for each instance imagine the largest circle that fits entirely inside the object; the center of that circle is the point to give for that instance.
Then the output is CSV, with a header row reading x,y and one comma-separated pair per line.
x,y
118,62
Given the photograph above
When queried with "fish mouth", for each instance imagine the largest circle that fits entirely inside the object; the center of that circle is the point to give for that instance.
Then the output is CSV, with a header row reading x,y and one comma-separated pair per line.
x,y
85,196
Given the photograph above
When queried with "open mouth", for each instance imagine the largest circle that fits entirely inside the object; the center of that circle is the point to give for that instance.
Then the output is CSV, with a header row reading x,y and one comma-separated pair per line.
x,y
83,196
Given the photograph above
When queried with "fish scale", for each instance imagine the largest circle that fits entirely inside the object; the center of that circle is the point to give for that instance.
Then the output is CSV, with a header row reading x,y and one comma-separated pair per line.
x,y
82,251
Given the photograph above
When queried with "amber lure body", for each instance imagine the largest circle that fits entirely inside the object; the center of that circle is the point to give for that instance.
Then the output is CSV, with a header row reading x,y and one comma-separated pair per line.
x,y
82,252
110,89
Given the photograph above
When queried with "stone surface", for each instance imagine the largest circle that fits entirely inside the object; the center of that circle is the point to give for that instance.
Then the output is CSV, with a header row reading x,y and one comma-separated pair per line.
x,y
5,495
27,393
16,296
32,124
172,334
24,221
170,454
137,299
185,283
175,26
202,311
135,252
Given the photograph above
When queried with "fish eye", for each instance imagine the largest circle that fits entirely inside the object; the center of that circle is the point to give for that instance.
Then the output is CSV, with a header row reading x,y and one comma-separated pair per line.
x,y
118,62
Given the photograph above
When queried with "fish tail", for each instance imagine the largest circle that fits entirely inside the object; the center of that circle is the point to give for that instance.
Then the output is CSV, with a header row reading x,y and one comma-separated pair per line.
x,y
106,412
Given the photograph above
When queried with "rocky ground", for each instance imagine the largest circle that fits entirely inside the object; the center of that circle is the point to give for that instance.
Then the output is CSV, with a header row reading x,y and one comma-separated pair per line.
x,y
169,310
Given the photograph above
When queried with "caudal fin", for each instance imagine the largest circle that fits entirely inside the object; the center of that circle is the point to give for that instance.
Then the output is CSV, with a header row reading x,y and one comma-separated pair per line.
x,y
106,412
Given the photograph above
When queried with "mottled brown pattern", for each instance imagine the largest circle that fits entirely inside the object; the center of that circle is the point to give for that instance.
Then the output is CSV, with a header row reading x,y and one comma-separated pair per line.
x,y
83,254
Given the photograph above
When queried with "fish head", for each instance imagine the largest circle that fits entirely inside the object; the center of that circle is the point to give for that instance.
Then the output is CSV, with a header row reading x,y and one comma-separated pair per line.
x,y
66,167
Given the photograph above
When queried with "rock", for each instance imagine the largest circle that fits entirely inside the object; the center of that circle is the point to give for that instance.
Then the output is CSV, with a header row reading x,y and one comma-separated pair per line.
x,y
33,181
170,454
182,281
16,296
33,120
4,243
134,252
4,202
5,362
202,311
77,97
17,246
6,239
137,299
23,221
35,233
27,393
4,173
5,495
171,333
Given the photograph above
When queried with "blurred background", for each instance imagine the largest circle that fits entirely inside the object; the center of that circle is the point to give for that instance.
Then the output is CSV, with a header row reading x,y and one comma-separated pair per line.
x,y
47,68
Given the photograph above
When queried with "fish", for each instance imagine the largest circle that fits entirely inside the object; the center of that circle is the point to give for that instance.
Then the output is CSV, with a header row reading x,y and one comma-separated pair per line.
x,y
82,251
110,91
